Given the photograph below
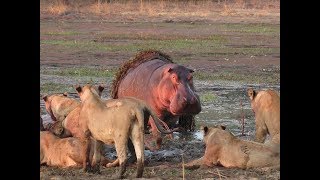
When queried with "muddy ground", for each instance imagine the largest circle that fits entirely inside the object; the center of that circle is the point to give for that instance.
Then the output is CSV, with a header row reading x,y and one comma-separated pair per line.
x,y
228,54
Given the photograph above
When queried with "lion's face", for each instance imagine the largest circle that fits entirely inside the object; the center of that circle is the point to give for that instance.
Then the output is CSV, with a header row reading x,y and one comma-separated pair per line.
x,y
210,130
251,93
47,99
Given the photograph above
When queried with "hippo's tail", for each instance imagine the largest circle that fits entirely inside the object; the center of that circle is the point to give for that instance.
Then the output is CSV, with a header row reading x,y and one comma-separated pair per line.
x,y
140,58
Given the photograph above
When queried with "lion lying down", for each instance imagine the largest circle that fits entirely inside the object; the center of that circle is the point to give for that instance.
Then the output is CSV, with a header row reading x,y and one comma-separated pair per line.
x,y
66,152
223,148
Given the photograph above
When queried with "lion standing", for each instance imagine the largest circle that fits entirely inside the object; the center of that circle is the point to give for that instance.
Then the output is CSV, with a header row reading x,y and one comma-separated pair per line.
x,y
266,107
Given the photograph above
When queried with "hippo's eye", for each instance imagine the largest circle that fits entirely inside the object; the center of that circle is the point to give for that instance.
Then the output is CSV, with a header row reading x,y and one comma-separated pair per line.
x,y
174,77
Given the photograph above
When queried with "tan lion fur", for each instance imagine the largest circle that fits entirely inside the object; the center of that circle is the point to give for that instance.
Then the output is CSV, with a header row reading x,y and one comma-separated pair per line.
x,y
64,153
111,125
59,106
266,107
223,148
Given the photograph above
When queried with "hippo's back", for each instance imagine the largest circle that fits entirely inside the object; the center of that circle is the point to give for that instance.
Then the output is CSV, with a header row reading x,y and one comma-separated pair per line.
x,y
137,81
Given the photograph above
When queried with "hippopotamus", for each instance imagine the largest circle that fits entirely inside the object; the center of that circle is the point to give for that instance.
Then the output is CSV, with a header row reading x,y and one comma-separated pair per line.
x,y
165,86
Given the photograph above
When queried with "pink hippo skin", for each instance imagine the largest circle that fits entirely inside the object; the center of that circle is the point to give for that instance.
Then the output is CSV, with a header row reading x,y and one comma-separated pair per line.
x,y
166,87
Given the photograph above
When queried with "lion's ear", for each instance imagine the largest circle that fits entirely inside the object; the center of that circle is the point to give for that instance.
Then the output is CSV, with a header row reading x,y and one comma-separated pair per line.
x,y
205,130
78,88
190,70
100,88
45,98
65,94
222,127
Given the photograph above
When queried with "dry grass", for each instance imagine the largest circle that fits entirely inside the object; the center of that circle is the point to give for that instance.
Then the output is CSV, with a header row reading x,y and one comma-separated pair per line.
x,y
56,7
174,8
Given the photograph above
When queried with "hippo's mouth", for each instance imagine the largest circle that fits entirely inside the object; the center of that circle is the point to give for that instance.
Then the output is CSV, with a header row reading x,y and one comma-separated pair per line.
x,y
175,112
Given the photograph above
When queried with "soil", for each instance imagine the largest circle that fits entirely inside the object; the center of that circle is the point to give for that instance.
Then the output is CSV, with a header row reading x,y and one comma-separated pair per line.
x,y
224,108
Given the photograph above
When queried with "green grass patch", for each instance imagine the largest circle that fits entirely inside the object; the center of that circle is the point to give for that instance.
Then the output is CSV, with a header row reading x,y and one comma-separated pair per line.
x,y
264,29
215,44
61,33
50,87
79,45
259,78
82,71
147,36
167,45
207,97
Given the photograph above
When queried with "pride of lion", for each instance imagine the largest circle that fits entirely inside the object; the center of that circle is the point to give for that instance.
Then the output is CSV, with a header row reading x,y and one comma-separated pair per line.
x,y
79,129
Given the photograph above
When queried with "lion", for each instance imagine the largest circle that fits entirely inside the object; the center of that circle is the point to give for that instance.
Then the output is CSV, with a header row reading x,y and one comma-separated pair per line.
x,y
223,148
121,124
70,124
266,107
59,106
63,153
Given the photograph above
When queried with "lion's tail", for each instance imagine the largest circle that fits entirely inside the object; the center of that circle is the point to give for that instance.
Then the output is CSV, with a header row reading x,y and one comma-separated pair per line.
x,y
157,122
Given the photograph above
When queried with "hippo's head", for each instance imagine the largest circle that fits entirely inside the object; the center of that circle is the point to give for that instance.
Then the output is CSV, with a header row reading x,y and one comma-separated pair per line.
x,y
176,91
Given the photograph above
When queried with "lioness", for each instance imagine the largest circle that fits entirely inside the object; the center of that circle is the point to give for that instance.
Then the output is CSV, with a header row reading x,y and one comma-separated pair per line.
x,y
59,106
266,107
71,122
63,153
117,124
225,149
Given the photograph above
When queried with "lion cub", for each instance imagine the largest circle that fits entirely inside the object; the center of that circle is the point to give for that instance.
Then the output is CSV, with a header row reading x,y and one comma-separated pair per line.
x,y
266,107
223,148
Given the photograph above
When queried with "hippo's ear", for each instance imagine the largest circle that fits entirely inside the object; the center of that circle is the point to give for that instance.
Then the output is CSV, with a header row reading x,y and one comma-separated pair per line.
x,y
65,94
78,88
100,88
170,70
190,70
45,98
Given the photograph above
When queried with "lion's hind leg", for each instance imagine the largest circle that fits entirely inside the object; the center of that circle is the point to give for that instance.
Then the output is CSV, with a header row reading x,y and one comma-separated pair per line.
x,y
195,164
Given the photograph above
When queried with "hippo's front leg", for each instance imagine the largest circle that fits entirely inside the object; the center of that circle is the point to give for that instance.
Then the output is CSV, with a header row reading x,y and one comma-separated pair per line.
x,y
156,141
